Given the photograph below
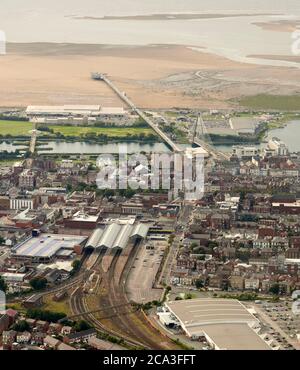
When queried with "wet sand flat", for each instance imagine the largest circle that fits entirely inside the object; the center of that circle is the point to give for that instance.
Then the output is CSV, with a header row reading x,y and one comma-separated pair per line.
x,y
154,76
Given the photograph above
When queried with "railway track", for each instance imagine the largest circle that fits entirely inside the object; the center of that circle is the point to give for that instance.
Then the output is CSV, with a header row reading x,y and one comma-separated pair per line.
x,y
130,321
79,308
115,315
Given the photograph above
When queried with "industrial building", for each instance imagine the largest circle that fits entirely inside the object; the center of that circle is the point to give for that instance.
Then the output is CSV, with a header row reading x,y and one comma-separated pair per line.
x,y
244,125
44,248
225,323
117,236
245,151
74,110
82,221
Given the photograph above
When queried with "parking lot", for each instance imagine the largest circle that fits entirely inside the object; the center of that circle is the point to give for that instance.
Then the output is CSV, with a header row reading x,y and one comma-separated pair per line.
x,y
280,325
144,269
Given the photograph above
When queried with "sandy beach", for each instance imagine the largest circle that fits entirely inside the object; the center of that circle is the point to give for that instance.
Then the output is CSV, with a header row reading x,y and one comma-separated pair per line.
x,y
156,76
279,26
169,17
287,58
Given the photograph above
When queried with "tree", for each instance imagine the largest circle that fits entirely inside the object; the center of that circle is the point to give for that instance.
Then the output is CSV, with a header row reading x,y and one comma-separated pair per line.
x,y
199,283
109,193
45,315
243,255
69,188
129,193
81,325
76,266
21,326
38,283
193,245
274,289
212,244
2,240
3,285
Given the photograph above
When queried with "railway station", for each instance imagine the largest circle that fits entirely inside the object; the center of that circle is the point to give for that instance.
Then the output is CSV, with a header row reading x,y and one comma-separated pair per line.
x,y
117,236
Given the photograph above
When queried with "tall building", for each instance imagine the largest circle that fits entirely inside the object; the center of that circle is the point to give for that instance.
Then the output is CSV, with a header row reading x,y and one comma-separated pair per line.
x,y
27,179
277,147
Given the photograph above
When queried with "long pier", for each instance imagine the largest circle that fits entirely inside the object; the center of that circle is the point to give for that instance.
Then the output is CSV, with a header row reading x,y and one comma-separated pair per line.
x,y
138,111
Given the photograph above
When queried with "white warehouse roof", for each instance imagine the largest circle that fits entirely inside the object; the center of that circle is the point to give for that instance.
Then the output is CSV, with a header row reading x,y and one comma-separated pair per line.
x,y
140,230
224,322
109,236
116,235
95,238
46,245
52,109
74,109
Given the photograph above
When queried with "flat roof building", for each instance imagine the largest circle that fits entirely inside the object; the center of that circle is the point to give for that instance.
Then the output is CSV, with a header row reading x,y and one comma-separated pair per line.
x,y
243,125
74,110
226,323
45,247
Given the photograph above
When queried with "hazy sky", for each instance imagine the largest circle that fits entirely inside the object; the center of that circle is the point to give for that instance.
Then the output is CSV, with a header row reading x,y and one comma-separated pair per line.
x,y
101,7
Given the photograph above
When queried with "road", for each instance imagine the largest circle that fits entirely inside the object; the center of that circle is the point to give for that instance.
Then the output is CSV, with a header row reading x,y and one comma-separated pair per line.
x,y
182,222
210,149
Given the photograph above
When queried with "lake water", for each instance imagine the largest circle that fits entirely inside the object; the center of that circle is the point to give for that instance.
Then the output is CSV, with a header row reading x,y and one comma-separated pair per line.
x,y
113,148
234,37
289,135
10,147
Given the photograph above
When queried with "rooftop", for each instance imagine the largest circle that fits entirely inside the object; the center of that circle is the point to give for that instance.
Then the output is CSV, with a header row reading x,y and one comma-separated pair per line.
x,y
46,245
83,217
210,311
116,235
235,337
225,321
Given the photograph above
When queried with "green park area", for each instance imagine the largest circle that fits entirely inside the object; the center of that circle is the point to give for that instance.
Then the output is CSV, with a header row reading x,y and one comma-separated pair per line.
x,y
15,128
11,128
272,102
108,131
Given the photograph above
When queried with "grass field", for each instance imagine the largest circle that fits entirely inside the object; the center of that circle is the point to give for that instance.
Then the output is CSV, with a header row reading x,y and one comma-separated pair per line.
x,y
7,162
109,131
15,128
53,306
16,306
273,102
